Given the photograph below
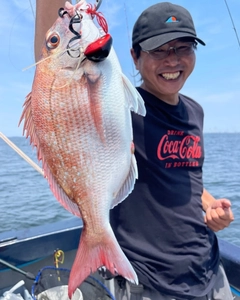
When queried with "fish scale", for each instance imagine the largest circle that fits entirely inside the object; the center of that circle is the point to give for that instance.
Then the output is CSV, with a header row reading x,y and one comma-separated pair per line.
x,y
78,115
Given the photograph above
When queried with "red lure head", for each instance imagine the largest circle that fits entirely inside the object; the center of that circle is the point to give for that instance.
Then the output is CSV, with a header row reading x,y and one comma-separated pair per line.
x,y
99,49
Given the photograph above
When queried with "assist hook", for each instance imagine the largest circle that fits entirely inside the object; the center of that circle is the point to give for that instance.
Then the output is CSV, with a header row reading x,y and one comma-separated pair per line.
x,y
75,19
98,3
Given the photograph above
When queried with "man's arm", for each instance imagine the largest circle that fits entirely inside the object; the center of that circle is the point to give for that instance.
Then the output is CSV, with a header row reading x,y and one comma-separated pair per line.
x,y
46,15
218,211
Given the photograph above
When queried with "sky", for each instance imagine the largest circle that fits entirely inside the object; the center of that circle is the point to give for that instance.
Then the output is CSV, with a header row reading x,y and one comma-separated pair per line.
x,y
215,82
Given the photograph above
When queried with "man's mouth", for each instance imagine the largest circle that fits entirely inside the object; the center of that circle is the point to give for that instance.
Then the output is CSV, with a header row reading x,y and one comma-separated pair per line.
x,y
170,76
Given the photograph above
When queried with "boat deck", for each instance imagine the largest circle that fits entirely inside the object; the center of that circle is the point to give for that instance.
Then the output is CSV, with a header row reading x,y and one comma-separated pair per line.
x,y
32,249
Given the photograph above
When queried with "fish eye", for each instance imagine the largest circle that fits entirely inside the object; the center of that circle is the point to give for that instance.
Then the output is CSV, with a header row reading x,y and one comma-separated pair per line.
x,y
53,41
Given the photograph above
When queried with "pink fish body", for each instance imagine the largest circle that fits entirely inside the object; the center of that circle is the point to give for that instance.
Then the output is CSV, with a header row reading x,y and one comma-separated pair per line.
x,y
78,115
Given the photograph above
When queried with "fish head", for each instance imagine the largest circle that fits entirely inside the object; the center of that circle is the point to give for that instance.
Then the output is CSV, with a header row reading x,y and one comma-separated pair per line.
x,y
71,34
75,34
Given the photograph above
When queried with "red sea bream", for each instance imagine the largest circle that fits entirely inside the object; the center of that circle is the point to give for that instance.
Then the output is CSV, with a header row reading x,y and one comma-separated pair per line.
x,y
78,116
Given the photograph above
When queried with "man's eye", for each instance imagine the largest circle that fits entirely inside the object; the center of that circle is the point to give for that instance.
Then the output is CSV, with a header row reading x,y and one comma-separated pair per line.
x,y
183,48
159,51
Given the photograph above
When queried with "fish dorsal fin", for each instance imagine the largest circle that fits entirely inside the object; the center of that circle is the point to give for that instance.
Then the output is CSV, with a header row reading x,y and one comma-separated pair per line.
x,y
128,185
133,97
29,131
28,126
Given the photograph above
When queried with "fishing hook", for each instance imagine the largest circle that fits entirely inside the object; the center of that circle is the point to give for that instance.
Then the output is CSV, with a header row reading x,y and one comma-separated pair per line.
x,y
74,20
98,3
62,12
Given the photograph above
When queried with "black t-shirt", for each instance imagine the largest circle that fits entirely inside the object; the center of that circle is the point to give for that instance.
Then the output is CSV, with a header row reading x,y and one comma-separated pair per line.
x,y
160,226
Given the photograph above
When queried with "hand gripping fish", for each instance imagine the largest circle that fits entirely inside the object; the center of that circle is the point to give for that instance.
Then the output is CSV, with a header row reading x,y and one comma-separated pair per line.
x,y
78,116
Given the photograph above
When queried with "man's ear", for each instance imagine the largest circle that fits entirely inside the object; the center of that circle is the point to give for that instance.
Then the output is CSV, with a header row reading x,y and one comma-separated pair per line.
x,y
134,57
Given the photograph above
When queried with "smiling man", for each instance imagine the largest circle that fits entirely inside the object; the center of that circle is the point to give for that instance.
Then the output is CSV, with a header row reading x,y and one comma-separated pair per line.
x,y
161,226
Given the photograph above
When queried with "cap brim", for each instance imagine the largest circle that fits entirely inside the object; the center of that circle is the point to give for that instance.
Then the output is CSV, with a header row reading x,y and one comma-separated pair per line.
x,y
159,40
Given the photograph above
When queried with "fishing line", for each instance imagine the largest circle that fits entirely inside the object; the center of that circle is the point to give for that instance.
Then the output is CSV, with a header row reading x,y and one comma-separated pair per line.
x,y
56,54
11,38
229,12
44,59
129,41
70,79
30,2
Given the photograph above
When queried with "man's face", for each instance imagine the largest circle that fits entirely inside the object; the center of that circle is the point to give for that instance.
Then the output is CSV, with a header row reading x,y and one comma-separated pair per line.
x,y
164,77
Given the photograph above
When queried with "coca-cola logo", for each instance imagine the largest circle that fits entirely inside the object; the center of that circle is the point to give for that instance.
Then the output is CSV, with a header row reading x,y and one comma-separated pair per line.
x,y
186,148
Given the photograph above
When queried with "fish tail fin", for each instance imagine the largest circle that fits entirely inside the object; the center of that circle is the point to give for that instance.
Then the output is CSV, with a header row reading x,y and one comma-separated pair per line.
x,y
91,255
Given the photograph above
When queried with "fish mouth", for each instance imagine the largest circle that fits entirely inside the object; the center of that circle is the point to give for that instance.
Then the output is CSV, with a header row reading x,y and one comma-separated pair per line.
x,y
76,53
75,66
74,50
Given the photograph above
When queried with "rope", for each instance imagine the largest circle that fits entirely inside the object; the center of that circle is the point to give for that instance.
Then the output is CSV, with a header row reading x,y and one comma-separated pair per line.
x,y
22,154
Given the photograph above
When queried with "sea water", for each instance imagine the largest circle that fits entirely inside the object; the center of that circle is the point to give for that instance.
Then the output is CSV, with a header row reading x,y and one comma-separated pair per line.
x,y
26,200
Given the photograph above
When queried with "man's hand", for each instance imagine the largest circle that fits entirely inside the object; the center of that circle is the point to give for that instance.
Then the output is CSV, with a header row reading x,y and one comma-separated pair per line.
x,y
219,214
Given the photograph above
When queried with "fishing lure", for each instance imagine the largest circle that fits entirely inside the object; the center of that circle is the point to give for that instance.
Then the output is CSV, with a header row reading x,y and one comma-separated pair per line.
x,y
99,49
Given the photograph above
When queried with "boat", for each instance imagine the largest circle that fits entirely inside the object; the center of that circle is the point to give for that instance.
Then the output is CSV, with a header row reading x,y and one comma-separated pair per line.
x,y
24,253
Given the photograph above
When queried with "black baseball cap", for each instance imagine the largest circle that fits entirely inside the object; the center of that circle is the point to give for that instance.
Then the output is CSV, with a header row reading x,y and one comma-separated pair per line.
x,y
162,23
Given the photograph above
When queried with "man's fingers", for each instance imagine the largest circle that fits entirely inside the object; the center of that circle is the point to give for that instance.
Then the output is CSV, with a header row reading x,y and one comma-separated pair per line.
x,y
225,214
219,218
225,203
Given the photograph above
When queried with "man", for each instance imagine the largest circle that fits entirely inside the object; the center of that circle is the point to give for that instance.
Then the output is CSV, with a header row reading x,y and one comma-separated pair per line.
x,y
161,227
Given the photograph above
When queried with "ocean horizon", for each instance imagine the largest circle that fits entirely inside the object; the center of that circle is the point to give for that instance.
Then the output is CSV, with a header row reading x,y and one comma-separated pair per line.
x,y
26,199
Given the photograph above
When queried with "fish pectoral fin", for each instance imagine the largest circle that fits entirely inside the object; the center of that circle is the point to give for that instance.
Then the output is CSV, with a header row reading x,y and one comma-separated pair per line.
x,y
94,85
128,184
135,100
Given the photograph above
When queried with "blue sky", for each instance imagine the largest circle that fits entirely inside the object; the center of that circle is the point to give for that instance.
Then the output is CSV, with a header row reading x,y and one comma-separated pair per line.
x,y
215,82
